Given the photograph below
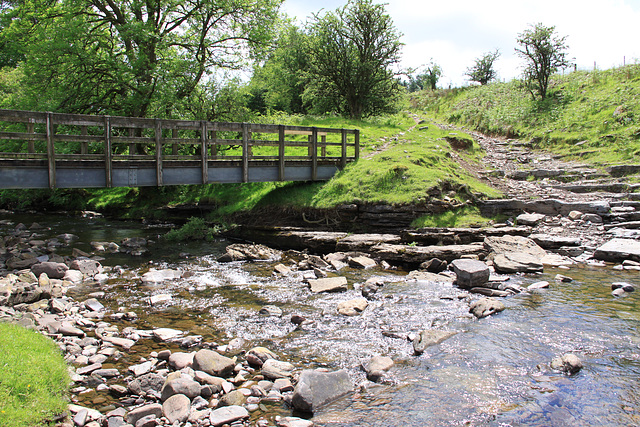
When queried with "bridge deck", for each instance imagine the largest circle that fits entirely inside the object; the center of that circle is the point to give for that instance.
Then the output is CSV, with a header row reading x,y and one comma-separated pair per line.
x,y
50,150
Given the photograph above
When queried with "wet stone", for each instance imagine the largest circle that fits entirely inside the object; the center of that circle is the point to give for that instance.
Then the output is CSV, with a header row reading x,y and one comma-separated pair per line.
x,y
486,307
330,284
274,369
429,337
353,307
271,310
227,414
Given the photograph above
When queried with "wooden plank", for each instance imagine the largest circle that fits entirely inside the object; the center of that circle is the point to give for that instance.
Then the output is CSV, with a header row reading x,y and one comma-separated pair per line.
x,y
51,152
158,139
204,151
281,148
245,152
357,144
314,154
23,136
343,159
108,153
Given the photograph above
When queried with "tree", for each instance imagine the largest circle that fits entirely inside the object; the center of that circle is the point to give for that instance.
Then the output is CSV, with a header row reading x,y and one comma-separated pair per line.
x,y
352,51
545,53
280,82
132,57
482,71
431,75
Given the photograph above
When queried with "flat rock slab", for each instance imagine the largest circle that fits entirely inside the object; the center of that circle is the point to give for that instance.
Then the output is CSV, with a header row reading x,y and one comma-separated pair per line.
x,y
511,244
227,415
618,250
352,307
329,284
529,219
517,262
362,242
420,254
485,307
547,241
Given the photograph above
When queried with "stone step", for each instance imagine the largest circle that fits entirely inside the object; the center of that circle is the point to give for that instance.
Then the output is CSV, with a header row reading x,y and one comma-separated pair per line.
x,y
587,187
623,170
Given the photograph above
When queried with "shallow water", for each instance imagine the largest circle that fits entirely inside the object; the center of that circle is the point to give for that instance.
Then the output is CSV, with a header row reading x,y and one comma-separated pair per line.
x,y
492,372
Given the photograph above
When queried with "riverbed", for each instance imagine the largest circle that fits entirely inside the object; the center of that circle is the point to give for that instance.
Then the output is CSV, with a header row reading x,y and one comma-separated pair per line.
x,y
493,371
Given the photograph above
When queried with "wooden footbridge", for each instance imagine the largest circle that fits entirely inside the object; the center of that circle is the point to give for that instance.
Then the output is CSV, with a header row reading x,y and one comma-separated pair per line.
x,y
54,150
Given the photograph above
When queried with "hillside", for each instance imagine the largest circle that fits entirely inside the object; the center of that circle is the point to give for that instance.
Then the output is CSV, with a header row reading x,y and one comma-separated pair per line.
x,y
594,115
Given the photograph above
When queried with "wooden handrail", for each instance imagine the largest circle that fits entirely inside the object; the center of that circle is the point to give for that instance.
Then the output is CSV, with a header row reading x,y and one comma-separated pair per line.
x,y
117,139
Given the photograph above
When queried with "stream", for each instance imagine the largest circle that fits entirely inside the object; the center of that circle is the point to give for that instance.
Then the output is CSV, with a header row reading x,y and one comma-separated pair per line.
x,y
492,372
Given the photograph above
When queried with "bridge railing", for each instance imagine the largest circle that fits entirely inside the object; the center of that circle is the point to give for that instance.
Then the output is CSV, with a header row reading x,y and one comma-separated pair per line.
x,y
54,137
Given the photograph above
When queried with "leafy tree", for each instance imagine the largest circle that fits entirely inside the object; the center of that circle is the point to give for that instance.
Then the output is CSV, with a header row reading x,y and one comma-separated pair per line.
x,y
431,75
352,51
545,53
280,82
482,71
132,57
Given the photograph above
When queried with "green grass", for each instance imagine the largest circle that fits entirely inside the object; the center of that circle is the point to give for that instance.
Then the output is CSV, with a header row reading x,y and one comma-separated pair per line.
x,y
33,378
467,216
590,115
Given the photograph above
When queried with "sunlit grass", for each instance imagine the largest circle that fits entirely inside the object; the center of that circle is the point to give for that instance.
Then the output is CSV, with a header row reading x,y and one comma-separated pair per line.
x,y
33,378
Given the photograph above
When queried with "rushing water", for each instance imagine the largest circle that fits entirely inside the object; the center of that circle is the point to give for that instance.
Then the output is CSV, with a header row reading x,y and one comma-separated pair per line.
x,y
493,372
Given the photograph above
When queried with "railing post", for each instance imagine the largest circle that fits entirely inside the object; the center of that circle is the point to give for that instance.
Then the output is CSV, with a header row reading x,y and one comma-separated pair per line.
x,y
214,144
51,153
343,158
84,145
314,153
245,152
323,148
281,147
204,151
108,164
174,146
132,146
158,137
31,144
357,143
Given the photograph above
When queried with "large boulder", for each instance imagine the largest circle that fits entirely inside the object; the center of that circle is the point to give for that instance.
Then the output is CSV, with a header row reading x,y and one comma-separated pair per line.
x,y
470,273
186,386
428,338
54,270
212,363
485,307
88,267
317,388
618,250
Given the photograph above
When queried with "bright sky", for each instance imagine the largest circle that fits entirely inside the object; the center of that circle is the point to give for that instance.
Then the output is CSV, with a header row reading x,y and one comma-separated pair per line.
x,y
455,32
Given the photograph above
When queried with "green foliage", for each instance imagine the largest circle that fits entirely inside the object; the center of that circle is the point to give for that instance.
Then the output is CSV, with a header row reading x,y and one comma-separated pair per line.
x,y
482,71
591,114
132,58
280,83
352,51
467,216
33,378
545,54
194,229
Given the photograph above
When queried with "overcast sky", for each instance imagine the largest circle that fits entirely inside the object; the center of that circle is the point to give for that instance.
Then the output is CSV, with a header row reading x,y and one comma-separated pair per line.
x,y
455,32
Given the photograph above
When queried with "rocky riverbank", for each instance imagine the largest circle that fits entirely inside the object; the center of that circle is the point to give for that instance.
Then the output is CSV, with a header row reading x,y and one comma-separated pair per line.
x,y
198,383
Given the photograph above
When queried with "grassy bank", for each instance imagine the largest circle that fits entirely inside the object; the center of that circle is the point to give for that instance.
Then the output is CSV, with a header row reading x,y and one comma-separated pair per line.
x,y
33,378
593,115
